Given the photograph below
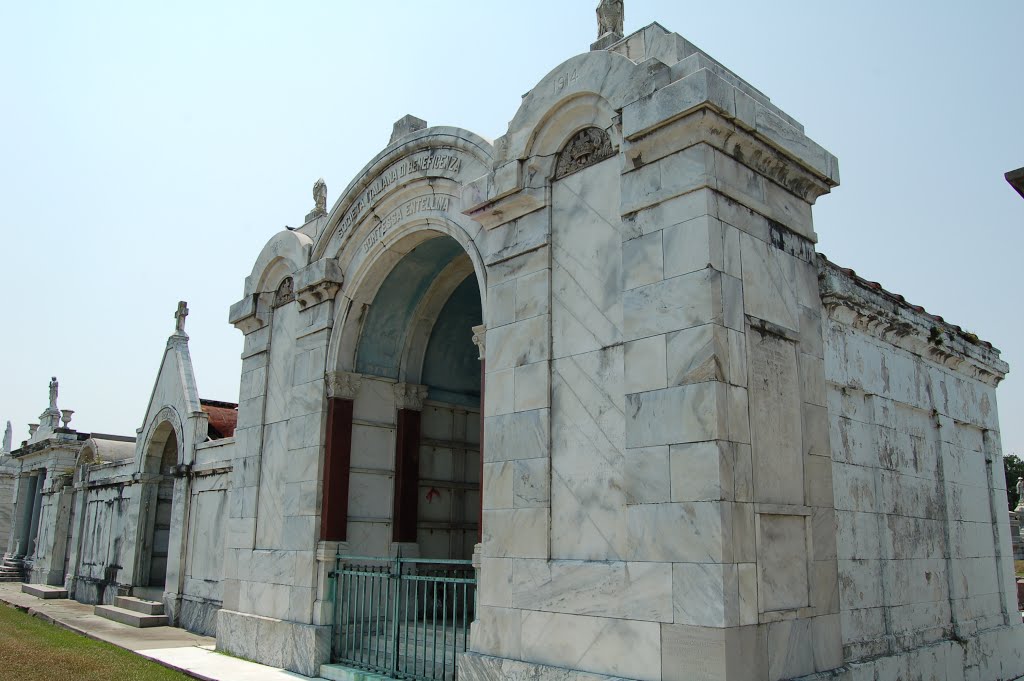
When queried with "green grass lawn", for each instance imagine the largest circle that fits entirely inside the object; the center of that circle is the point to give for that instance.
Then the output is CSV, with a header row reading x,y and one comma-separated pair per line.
x,y
31,649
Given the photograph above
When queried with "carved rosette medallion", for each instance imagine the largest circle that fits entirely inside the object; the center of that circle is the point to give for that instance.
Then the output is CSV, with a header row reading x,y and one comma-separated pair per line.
x,y
410,396
587,147
343,385
285,293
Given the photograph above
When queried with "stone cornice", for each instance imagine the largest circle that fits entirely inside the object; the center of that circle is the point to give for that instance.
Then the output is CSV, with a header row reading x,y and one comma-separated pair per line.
x,y
251,313
318,282
887,317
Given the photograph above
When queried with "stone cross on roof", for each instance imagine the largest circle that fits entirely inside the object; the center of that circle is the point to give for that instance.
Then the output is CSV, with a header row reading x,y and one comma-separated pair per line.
x,y
179,318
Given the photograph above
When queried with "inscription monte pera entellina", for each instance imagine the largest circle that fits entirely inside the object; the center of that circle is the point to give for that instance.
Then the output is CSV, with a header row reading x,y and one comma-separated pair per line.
x,y
424,203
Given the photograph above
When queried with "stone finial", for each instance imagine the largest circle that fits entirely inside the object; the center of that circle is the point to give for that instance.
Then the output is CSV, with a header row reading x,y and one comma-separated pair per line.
x,y
405,125
8,439
410,396
32,428
53,393
610,18
320,196
65,416
319,200
179,318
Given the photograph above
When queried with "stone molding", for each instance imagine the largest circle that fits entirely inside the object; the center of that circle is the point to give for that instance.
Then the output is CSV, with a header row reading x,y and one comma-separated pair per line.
x,y
410,396
249,314
896,322
343,385
318,282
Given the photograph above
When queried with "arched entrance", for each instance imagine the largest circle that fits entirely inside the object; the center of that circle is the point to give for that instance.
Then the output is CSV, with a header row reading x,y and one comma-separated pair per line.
x,y
161,457
416,342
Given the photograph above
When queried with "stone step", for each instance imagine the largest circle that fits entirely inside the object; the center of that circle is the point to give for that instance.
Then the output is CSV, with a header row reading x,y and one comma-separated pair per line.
x,y
11,578
337,672
130,617
44,591
139,605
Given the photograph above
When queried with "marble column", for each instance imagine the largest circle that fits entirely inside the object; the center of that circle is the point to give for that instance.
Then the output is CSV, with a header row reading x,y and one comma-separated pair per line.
x,y
37,503
479,340
342,388
409,403
23,514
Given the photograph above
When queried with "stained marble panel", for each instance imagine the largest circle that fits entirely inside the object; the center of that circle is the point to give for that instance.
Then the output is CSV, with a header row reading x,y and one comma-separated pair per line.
x,y
616,647
587,496
775,419
586,278
782,562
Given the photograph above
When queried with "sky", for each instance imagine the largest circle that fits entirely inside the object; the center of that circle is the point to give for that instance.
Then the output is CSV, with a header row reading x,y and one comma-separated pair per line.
x,y
149,150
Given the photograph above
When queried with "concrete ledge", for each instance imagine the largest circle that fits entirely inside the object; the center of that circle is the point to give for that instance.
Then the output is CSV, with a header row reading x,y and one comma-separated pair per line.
x,y
44,591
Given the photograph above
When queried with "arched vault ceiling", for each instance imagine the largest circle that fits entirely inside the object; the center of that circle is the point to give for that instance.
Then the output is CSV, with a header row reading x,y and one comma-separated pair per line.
x,y
391,313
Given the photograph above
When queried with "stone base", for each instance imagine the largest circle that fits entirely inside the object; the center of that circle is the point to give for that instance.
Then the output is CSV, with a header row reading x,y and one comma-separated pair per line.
x,y
296,647
193,614
477,667
994,655
94,592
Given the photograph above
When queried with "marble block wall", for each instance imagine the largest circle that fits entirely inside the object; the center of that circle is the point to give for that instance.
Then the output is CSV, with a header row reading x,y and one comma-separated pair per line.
x,y
101,529
925,565
269,569
685,526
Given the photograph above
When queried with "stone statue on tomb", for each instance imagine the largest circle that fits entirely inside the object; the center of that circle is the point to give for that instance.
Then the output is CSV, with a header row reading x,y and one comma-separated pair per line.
x,y
1020,492
53,393
8,436
610,17
320,197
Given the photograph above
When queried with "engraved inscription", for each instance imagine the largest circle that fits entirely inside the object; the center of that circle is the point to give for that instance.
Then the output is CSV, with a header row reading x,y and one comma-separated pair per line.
x,y
428,162
566,79
424,203
699,659
774,397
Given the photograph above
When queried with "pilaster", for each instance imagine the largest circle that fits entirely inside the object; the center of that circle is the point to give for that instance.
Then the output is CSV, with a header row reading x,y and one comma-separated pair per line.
x,y
728,467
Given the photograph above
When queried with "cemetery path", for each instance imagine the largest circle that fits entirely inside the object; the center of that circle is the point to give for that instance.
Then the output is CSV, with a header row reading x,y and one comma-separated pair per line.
x,y
175,648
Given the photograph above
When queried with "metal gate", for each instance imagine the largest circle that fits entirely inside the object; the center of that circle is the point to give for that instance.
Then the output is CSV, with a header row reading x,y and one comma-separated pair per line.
x,y
406,618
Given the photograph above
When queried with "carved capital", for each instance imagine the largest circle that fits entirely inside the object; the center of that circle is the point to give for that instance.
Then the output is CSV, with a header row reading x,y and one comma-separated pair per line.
x,y
343,385
410,396
480,340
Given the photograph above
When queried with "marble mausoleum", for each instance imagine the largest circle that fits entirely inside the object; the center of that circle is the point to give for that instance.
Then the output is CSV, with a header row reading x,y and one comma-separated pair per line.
x,y
600,358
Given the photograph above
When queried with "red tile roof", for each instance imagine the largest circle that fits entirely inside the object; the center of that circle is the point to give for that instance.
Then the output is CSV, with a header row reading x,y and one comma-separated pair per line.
x,y
222,418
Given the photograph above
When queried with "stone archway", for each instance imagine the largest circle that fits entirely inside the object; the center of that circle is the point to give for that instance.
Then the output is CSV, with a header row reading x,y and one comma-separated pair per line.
x,y
160,458
414,470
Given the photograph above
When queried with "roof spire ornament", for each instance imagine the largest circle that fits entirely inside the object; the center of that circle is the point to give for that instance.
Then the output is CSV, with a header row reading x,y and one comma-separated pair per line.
x,y
8,437
610,18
